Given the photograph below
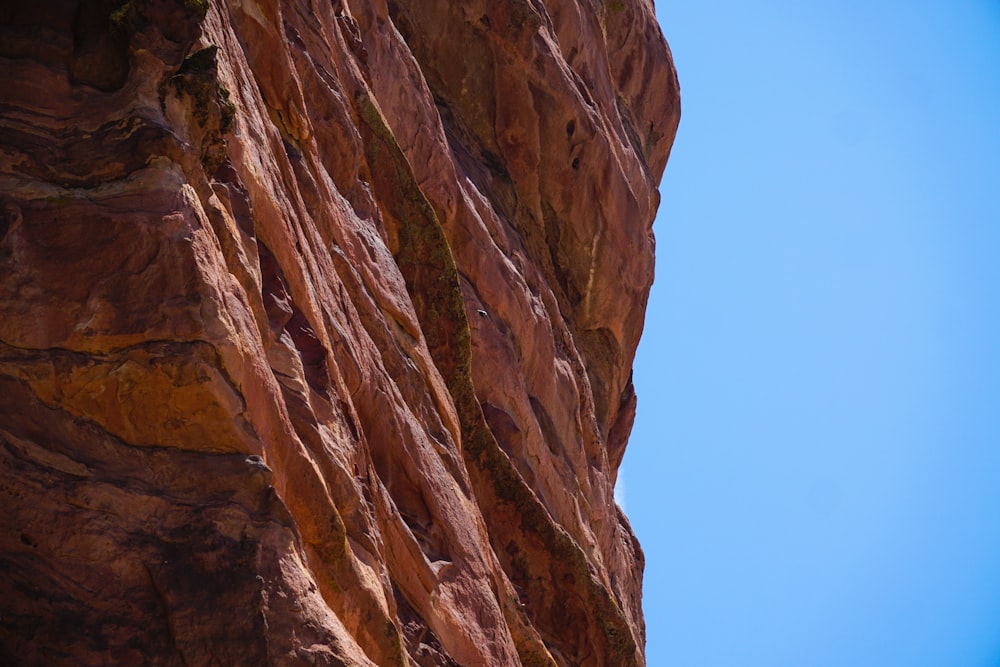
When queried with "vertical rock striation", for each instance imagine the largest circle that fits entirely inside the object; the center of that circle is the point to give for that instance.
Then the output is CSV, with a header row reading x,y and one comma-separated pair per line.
x,y
316,328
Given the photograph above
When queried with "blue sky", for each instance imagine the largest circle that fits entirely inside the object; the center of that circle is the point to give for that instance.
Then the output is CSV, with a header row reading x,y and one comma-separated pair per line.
x,y
815,468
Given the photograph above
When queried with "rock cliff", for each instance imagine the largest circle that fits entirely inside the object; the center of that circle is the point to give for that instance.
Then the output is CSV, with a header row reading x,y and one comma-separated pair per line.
x,y
316,327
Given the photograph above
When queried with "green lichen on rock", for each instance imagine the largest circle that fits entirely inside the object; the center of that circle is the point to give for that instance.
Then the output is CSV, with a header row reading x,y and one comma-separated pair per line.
x,y
227,110
211,104
119,20
428,267
133,14
424,255
198,77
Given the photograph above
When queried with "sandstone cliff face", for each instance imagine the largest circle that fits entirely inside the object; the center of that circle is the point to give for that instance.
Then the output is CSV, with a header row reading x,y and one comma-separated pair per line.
x,y
316,328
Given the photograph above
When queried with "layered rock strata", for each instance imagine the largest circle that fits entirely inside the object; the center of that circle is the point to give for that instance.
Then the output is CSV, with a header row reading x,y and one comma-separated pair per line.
x,y
316,328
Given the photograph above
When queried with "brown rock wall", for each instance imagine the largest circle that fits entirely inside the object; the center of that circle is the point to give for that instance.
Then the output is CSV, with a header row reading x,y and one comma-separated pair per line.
x,y
316,329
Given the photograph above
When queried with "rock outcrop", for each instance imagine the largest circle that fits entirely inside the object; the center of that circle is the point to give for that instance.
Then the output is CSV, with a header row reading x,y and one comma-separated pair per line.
x,y
316,327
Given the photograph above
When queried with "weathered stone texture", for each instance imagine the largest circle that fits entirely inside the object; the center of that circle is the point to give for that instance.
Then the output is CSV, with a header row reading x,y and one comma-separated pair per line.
x,y
316,328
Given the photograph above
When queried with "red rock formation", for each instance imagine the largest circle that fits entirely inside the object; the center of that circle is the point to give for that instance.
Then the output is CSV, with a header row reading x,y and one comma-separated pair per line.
x,y
316,328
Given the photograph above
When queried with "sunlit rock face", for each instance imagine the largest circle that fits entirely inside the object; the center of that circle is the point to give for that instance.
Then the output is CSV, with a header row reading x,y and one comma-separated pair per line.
x,y
316,328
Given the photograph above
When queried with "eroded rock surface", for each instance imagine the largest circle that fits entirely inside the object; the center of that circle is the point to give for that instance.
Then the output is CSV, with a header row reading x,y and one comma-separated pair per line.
x,y
316,328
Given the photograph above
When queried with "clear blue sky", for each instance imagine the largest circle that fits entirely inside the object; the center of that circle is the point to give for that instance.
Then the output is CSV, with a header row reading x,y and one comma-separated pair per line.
x,y
815,468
